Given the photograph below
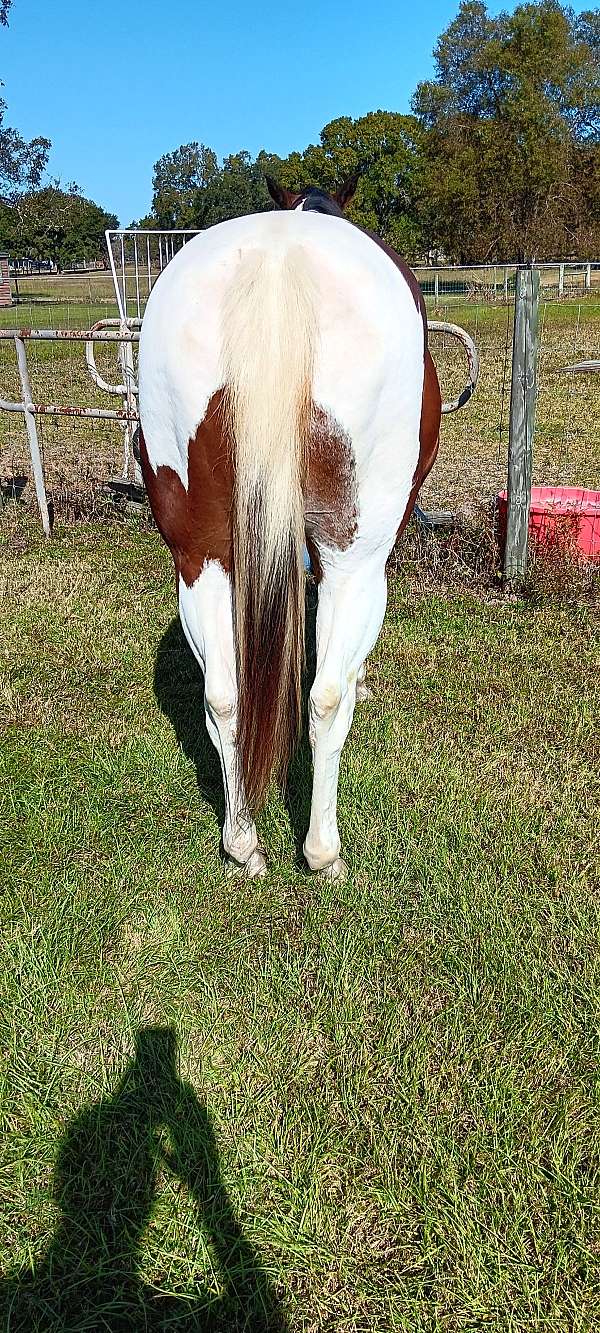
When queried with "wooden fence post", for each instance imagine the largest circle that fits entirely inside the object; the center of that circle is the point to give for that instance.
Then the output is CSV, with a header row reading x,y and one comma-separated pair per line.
x,y
522,417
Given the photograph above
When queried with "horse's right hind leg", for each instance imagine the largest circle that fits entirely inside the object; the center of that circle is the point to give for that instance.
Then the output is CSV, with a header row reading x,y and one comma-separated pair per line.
x,y
349,618
205,611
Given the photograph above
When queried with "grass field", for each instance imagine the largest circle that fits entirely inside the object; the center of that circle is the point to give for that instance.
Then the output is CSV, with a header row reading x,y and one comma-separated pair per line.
x,y
79,456
384,1111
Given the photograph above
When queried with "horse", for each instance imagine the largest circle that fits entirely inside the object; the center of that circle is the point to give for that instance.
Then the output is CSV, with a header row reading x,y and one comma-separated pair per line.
x,y
288,404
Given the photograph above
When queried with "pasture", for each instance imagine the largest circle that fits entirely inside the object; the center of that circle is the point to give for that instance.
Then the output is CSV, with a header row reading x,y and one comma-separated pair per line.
x,y
385,1113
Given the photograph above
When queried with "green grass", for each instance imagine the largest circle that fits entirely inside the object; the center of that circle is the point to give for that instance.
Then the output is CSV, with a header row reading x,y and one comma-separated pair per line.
x,y
386,1114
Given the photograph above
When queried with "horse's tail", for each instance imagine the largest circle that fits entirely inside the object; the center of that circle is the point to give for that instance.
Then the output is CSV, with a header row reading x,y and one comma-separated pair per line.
x,y
268,342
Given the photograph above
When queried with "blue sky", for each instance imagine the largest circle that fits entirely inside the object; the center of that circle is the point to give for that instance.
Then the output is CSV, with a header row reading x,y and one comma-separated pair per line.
x,y
116,85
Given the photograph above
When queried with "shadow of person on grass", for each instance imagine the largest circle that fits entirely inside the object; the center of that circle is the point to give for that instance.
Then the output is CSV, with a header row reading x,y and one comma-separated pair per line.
x,y
105,1184
179,692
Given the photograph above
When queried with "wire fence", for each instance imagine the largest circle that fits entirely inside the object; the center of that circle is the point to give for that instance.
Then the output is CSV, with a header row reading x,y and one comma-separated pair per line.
x,y
472,462
496,282
81,456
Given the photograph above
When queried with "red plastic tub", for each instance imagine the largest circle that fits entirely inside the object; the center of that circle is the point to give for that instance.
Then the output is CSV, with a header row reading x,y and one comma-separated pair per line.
x,y
563,517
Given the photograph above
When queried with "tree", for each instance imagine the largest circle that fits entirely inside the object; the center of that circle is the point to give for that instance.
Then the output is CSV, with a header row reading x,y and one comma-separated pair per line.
x,y
383,147
22,163
191,189
508,121
176,180
236,188
57,225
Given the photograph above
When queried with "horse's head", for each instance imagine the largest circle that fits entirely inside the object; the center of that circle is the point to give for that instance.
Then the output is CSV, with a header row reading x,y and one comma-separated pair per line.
x,y
312,199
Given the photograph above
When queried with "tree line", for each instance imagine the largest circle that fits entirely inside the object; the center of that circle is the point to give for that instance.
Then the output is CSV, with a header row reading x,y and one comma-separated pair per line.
x,y
499,158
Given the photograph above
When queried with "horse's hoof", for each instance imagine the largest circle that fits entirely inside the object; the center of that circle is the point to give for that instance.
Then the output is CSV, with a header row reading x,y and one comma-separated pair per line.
x,y
338,870
363,692
255,867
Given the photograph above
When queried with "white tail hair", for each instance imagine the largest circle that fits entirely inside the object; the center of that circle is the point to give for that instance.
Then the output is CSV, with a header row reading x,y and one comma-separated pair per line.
x,y
268,348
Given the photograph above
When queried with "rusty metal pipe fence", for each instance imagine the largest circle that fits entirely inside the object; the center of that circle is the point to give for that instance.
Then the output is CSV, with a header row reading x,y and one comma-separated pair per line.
x,y
124,333
113,331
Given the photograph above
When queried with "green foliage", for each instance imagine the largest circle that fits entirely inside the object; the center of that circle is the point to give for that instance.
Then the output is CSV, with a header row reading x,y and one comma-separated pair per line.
x,y
176,180
511,125
383,147
236,188
22,162
59,225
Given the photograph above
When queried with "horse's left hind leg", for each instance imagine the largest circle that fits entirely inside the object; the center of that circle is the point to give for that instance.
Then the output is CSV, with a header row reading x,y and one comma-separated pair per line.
x,y
205,611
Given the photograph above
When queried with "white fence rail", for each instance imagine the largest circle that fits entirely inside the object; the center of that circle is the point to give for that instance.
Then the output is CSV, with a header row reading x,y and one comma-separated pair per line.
x,y
136,260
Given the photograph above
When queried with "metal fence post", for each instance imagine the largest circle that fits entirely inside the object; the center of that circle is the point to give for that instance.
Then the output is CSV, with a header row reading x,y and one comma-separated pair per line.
x,y
588,277
129,402
34,446
561,280
522,417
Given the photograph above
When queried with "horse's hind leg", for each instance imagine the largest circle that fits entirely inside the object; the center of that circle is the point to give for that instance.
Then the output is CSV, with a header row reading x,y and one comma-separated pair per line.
x,y
205,611
349,617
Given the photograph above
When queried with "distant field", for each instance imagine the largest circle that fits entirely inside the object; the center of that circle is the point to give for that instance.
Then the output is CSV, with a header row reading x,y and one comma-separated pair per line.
x,y
472,462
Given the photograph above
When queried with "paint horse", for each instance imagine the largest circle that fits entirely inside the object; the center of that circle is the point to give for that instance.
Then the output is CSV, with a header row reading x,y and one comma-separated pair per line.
x,y
287,400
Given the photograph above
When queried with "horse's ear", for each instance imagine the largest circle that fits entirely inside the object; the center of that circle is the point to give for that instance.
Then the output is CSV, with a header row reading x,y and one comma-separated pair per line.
x,y
280,196
347,190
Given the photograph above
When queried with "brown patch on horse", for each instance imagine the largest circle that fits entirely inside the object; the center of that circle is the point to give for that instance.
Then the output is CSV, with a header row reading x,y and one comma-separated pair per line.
x,y
195,523
429,435
330,497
